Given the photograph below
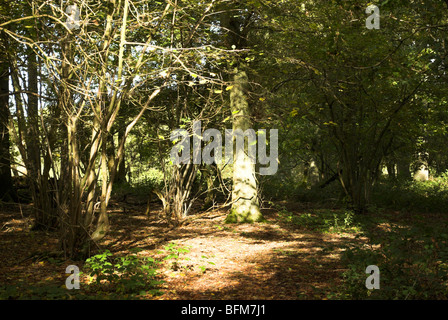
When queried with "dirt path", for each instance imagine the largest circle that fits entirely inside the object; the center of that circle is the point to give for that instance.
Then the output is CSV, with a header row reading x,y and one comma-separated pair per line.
x,y
224,261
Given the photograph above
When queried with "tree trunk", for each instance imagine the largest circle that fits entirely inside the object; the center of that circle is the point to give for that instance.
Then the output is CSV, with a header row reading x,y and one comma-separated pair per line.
x,y
403,169
245,206
6,188
209,175
391,170
32,144
121,173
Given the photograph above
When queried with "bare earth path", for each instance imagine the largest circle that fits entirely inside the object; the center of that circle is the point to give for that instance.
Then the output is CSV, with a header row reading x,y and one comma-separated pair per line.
x,y
224,261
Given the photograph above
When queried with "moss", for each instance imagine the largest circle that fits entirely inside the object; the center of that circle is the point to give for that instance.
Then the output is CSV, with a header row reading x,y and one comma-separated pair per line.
x,y
244,217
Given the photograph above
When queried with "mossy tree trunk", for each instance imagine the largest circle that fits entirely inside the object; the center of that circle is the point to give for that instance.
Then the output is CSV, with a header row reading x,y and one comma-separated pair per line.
x,y
245,205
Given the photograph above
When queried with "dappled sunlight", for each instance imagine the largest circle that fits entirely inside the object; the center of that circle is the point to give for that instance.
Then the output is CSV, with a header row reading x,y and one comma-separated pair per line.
x,y
224,149
206,258
255,261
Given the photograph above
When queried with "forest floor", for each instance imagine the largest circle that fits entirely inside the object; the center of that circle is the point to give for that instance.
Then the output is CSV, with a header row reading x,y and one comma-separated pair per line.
x,y
271,260
212,259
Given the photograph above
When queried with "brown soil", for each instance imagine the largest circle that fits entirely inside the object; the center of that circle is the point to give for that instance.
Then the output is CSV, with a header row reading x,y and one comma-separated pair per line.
x,y
269,260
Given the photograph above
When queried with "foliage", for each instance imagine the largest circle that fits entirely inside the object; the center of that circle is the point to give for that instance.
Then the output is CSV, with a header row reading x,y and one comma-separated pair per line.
x,y
89,106
128,274
204,268
151,178
21,291
322,220
333,193
175,251
429,196
148,181
412,262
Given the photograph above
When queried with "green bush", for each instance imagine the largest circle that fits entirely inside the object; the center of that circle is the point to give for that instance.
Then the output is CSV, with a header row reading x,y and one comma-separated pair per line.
x,y
323,220
412,196
174,252
332,193
151,178
129,274
412,263
23,291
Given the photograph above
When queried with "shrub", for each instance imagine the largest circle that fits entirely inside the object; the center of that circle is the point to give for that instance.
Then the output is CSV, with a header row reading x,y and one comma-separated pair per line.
x,y
412,263
128,274
323,220
413,196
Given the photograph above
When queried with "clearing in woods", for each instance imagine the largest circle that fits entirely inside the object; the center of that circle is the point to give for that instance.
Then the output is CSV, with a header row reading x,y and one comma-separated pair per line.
x,y
271,260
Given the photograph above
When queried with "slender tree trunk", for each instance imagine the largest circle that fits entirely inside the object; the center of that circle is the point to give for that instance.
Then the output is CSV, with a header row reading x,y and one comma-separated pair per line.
x,y
121,173
6,187
33,143
210,173
103,225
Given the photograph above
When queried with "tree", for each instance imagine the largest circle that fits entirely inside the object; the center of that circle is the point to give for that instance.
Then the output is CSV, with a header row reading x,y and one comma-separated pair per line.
x,y
245,204
94,70
352,96
245,201
6,188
